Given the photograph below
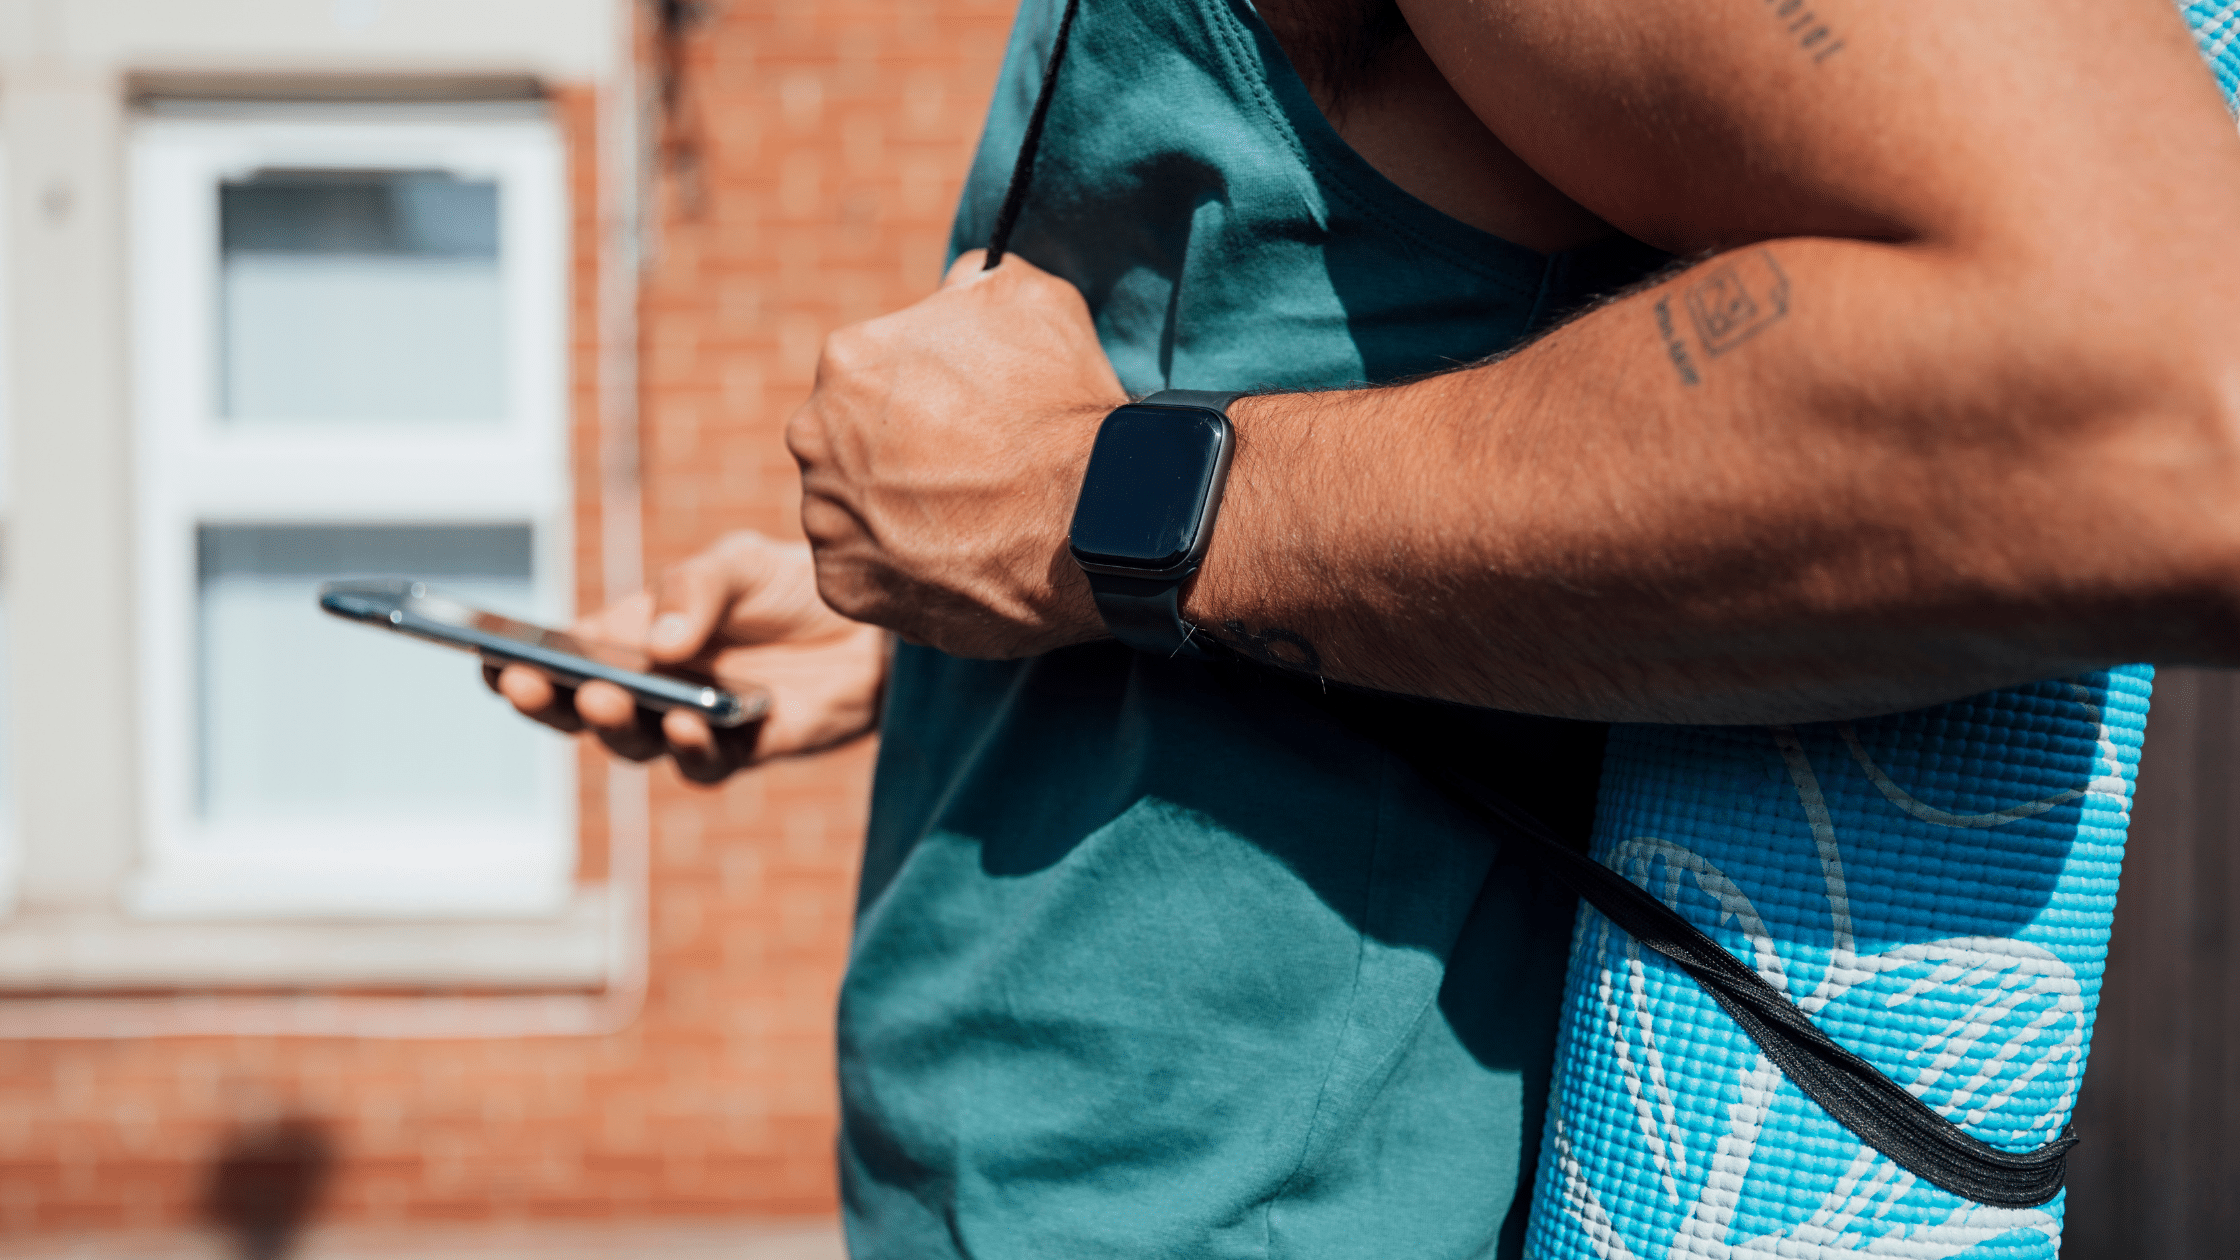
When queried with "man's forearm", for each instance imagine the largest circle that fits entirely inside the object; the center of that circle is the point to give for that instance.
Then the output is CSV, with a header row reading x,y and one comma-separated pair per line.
x,y
1806,480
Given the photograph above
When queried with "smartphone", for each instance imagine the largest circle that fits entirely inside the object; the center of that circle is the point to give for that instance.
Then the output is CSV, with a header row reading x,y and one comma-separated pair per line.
x,y
408,607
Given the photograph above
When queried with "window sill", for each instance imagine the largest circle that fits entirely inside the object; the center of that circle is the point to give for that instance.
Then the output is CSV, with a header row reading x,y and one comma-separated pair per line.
x,y
82,950
379,872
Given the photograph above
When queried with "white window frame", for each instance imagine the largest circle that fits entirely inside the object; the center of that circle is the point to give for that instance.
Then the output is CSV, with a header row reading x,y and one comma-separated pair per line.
x,y
194,471
11,845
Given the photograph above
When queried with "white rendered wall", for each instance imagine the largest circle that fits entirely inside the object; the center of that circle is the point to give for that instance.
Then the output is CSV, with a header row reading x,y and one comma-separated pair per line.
x,y
556,40
70,674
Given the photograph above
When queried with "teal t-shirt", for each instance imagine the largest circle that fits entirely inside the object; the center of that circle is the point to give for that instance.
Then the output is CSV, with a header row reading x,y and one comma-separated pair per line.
x,y
1153,958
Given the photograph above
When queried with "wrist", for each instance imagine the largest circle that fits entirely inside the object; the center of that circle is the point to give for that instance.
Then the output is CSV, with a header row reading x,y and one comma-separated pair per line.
x,y
1072,614
1254,591
1217,591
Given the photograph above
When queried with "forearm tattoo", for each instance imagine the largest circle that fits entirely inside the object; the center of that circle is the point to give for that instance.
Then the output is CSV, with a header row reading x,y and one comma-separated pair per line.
x,y
1727,302
1284,649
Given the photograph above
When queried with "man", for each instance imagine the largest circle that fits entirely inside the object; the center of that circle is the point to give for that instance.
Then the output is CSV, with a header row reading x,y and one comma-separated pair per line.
x,y
1158,956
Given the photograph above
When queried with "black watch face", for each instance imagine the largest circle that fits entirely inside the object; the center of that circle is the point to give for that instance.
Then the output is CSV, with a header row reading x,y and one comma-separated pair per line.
x,y
1144,497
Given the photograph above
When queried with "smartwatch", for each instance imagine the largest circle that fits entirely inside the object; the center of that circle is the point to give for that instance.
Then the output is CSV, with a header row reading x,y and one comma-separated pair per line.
x,y
1146,512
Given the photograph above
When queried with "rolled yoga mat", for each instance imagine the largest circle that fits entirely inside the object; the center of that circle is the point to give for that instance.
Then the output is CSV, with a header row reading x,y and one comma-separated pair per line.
x,y
1934,889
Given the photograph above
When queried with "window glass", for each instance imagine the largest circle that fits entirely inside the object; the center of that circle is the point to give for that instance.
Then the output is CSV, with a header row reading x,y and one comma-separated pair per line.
x,y
303,714
361,296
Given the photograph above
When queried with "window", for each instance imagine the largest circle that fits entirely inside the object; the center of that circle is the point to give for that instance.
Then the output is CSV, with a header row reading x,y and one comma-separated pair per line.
x,y
351,339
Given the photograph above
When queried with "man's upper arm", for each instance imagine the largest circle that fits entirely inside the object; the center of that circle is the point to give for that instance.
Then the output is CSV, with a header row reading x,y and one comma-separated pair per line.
x,y
1707,124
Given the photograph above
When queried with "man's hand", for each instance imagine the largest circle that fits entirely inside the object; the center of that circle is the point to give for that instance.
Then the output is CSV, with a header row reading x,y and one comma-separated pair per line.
x,y
745,609
940,455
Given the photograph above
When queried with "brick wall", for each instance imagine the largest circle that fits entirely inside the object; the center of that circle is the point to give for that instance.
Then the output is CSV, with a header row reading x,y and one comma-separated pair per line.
x,y
830,138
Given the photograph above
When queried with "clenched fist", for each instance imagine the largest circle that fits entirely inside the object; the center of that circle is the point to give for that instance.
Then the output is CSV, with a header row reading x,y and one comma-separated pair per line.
x,y
940,456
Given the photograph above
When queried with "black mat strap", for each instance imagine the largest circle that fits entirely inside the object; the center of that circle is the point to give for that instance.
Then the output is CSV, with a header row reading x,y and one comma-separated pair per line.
x,y
1859,1096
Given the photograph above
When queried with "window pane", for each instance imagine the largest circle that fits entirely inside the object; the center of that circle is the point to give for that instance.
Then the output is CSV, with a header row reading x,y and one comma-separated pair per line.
x,y
361,296
304,714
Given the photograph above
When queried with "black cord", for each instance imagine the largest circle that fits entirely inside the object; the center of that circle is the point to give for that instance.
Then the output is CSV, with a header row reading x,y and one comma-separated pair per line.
x,y
1022,170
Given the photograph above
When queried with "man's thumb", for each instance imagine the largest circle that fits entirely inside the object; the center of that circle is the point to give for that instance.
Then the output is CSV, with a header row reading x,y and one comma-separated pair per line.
x,y
687,601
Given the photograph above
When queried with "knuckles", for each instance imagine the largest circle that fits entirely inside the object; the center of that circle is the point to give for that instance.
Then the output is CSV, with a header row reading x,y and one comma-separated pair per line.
x,y
1044,289
804,437
843,352
1047,293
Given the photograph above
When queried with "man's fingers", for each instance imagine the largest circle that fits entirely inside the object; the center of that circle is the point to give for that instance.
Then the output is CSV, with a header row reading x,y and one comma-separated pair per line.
x,y
688,603
746,590
530,691
742,593
969,266
623,621
607,711
533,695
614,716
701,755
972,265
705,755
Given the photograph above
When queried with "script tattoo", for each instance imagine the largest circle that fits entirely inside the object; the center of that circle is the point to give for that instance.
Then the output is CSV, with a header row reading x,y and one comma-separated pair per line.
x,y
1284,649
1812,34
1674,348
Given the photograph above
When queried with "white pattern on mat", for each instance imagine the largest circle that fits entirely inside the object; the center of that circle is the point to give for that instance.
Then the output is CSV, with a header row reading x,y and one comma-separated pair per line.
x,y
2008,988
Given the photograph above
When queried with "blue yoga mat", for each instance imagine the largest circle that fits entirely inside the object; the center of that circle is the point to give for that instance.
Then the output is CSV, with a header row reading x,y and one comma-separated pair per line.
x,y
1935,889
2216,25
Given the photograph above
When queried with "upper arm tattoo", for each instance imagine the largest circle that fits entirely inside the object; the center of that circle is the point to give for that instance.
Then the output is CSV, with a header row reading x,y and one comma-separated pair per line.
x,y
1811,33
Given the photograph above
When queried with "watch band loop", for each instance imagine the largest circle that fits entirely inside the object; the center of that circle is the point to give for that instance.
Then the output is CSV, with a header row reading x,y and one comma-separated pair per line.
x,y
1146,614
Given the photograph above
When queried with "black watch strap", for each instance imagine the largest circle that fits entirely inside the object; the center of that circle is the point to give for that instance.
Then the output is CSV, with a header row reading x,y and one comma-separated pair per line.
x,y
1146,613
1210,399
